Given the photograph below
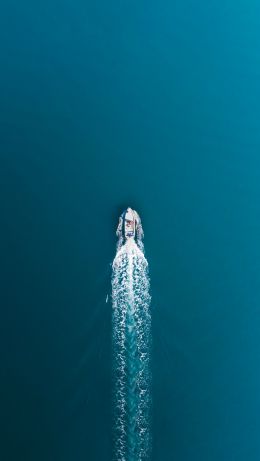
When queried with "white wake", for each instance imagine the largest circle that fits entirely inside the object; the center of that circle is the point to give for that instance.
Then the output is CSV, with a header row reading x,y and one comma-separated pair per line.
x,y
131,321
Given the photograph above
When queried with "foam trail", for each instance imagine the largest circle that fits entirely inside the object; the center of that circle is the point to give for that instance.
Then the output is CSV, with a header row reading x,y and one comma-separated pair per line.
x,y
131,321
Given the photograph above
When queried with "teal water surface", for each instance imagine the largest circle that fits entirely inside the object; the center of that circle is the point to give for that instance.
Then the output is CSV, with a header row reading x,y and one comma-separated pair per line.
x,y
153,105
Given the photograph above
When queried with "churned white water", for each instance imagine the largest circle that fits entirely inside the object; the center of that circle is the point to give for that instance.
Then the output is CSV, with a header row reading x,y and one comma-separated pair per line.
x,y
131,319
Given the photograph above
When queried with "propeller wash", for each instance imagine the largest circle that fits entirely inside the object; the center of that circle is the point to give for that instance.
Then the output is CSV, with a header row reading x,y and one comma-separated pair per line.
x,y
131,322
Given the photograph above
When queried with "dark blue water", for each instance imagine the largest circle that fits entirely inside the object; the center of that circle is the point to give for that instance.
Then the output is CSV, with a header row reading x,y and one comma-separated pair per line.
x,y
153,105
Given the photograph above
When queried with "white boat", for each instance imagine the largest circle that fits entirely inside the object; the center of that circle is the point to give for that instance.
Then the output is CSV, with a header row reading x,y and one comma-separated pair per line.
x,y
129,225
